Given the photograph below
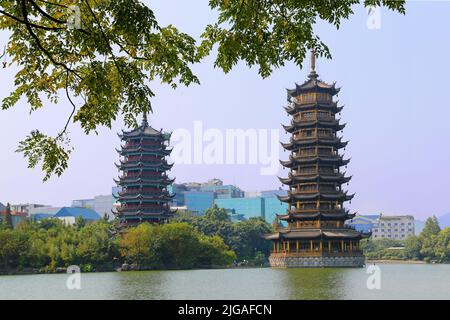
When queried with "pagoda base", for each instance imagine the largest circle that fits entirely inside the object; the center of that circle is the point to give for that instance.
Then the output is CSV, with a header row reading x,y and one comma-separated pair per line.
x,y
317,262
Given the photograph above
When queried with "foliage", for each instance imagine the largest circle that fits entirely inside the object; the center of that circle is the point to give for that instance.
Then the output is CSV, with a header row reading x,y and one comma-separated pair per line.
x,y
101,59
432,244
243,237
269,33
173,245
50,244
105,63
7,221
216,213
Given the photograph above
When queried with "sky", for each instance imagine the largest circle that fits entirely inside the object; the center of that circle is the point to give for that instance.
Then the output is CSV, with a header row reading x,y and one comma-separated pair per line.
x,y
394,84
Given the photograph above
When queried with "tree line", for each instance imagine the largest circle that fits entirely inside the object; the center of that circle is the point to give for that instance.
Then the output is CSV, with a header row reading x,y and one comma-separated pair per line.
x,y
431,245
186,242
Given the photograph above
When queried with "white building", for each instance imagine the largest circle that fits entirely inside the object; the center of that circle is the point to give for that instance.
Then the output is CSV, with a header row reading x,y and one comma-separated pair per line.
x,y
393,227
100,204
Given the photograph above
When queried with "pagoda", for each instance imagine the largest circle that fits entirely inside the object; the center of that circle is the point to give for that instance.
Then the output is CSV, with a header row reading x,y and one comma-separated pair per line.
x,y
314,233
144,196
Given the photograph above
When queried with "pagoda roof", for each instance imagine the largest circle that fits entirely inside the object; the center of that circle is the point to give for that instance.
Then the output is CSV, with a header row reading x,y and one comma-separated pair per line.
x,y
293,144
144,180
293,161
142,164
318,214
145,196
295,179
311,85
295,107
297,125
343,196
143,151
307,233
144,130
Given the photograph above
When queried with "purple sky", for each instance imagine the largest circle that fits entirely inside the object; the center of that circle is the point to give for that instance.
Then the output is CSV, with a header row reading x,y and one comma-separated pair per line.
x,y
394,82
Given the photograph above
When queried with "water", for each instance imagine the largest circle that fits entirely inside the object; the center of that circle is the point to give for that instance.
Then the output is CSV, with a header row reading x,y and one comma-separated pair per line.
x,y
398,281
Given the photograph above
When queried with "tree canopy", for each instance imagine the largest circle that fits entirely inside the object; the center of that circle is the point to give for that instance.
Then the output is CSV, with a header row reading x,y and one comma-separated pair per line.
x,y
101,55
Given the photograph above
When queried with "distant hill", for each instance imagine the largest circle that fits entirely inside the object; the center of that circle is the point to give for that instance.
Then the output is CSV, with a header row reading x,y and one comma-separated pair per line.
x,y
444,220
418,226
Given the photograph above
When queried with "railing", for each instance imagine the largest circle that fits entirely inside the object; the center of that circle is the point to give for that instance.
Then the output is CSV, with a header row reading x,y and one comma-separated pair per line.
x,y
317,253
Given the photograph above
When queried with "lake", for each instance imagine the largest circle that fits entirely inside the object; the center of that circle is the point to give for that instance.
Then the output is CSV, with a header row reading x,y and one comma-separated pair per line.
x,y
398,281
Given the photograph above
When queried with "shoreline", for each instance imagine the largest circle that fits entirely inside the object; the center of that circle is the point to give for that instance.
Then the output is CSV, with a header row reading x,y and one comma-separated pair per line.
x,y
386,261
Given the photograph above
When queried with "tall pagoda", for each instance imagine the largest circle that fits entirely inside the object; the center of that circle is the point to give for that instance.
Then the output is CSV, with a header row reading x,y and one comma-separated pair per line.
x,y
315,234
144,196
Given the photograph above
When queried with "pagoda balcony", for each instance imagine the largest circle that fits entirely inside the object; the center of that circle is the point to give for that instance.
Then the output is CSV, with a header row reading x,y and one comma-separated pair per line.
x,y
144,158
314,172
314,209
131,144
314,116
142,191
315,190
304,135
315,152
317,253
144,174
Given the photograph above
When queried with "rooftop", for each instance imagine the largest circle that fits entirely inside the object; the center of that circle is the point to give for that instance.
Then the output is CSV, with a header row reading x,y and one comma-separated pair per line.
x,y
85,213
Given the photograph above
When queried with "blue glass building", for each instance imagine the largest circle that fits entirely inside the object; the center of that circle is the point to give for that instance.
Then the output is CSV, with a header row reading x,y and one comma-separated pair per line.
x,y
197,202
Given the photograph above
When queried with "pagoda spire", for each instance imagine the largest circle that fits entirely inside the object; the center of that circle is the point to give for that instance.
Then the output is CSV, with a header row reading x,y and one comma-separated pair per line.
x,y
144,119
312,70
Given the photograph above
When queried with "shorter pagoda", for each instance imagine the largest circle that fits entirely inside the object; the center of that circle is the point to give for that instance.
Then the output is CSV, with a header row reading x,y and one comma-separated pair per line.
x,y
144,196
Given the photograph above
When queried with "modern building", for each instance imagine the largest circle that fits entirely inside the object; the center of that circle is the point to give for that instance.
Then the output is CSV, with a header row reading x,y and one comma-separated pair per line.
x,y
364,223
394,227
316,235
36,217
264,207
16,216
247,207
198,201
198,197
144,196
44,210
103,205
223,191
273,207
69,215
27,207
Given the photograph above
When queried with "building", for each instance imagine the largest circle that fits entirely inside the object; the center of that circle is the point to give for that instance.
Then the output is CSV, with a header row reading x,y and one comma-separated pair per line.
x,y
315,235
264,207
44,210
144,196
364,223
198,202
27,207
103,205
196,196
247,207
69,215
222,191
394,227
16,216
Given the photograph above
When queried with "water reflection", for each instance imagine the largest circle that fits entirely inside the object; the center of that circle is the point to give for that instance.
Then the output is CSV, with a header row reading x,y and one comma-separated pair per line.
x,y
314,283
141,285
